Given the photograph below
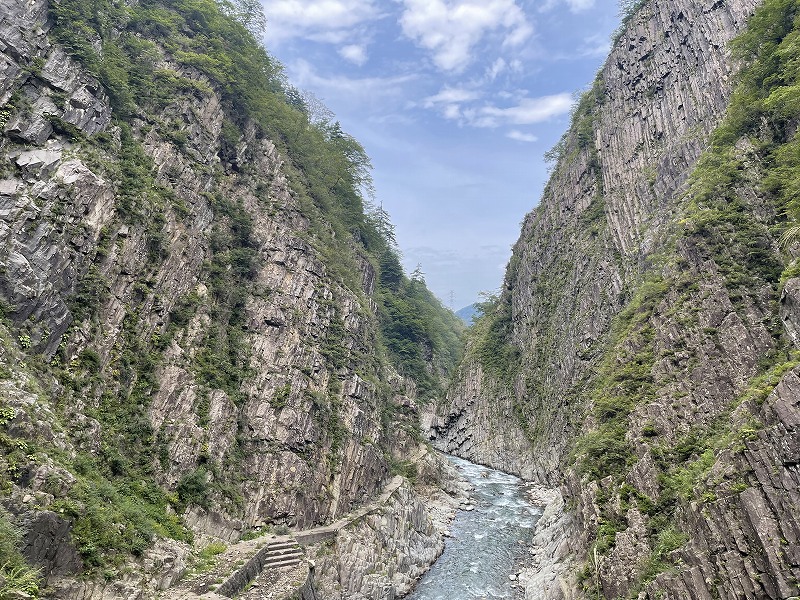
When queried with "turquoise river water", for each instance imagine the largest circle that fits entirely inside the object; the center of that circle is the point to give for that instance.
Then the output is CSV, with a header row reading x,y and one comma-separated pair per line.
x,y
487,542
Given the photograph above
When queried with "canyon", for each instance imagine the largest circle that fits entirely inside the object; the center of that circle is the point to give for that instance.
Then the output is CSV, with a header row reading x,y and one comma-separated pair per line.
x,y
211,359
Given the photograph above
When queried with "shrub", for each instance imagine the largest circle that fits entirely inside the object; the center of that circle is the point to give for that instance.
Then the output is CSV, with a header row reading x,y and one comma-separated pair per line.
x,y
15,574
193,489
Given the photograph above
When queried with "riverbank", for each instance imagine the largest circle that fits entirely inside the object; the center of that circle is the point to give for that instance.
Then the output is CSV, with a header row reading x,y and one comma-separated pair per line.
x,y
550,555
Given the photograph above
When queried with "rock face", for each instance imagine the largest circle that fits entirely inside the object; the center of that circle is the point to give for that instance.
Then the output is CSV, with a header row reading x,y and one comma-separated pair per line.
x,y
183,320
552,554
643,325
658,97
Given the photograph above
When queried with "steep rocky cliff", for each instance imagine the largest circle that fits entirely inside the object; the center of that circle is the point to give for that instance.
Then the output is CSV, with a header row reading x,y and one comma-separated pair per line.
x,y
204,334
643,344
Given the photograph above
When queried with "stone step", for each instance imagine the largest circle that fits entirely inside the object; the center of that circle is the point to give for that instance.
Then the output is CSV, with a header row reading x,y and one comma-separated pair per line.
x,y
282,546
278,554
287,552
270,558
284,562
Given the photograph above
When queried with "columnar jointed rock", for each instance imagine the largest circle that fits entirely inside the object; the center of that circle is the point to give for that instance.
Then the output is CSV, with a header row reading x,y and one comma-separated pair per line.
x,y
658,97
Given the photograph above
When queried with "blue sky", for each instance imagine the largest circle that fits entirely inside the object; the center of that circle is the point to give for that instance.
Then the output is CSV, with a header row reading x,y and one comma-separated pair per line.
x,y
456,102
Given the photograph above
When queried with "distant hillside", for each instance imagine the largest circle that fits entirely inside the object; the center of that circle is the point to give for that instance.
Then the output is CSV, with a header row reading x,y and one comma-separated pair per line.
x,y
468,313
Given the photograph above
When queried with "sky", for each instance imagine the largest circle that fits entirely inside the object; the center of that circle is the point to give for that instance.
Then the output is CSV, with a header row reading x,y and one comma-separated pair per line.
x,y
455,102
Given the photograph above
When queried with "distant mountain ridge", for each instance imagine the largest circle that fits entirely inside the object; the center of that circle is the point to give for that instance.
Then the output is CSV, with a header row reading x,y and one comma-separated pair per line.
x,y
468,313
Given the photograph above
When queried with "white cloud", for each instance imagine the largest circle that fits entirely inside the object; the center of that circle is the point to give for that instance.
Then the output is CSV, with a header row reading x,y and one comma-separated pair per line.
x,y
450,95
527,112
459,104
574,5
355,89
578,5
452,112
500,66
449,100
516,134
355,53
450,29
497,67
323,20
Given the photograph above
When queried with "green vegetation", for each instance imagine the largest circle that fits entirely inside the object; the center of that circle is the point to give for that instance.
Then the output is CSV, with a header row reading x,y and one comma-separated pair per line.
x,y
15,450
115,517
115,509
206,558
625,381
492,334
193,489
658,562
422,336
406,468
223,361
627,10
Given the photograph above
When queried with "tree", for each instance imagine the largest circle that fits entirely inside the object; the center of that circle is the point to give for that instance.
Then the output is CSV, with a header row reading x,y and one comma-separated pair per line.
x,y
359,166
391,270
417,275
295,98
317,112
382,223
250,13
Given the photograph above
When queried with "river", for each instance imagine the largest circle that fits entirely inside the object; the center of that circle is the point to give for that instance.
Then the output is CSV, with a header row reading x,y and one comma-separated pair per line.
x,y
487,542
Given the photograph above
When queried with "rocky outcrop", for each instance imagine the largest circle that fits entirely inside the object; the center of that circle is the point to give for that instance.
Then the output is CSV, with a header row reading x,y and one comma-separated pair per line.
x,y
646,121
745,536
498,442
552,558
47,543
157,569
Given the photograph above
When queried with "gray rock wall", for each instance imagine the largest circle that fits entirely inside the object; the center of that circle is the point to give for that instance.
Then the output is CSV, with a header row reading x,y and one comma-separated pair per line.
x,y
661,92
